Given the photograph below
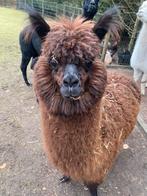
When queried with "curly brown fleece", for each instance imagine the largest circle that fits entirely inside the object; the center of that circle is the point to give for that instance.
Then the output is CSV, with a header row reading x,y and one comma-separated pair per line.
x,y
82,137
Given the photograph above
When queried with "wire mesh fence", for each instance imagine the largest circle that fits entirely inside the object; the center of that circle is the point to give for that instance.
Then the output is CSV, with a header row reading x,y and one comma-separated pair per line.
x,y
45,7
8,3
54,9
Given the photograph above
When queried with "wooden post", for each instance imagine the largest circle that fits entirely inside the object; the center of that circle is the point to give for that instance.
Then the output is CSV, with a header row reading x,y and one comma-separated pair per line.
x,y
106,41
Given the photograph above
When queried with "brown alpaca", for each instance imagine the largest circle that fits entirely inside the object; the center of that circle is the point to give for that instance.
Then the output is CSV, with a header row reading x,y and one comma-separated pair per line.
x,y
86,113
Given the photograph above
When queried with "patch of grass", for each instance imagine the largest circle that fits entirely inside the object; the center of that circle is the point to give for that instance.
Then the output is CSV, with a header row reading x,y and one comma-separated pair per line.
x,y
11,23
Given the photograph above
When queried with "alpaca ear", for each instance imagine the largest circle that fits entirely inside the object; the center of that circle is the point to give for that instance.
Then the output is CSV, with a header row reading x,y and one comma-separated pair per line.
x,y
109,22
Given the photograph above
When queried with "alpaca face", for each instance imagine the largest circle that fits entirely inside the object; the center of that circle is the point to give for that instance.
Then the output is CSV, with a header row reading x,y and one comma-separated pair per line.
x,y
142,12
72,73
69,76
71,79
90,8
72,65
91,5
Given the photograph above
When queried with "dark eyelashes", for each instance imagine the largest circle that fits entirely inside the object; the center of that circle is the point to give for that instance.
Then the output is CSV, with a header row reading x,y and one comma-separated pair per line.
x,y
53,63
88,65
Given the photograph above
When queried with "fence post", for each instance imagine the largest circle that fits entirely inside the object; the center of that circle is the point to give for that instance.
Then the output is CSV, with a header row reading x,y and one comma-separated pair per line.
x,y
64,9
17,4
32,3
73,14
56,9
42,11
25,4
79,11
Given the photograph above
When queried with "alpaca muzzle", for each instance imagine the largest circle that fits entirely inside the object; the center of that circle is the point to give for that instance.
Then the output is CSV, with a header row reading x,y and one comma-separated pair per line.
x,y
92,6
71,87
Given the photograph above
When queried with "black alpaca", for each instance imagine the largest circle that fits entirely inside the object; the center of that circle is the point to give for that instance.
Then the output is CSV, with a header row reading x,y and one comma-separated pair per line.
x,y
30,40
90,8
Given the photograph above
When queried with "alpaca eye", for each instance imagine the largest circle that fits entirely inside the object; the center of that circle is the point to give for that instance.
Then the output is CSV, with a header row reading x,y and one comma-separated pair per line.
x,y
88,65
53,63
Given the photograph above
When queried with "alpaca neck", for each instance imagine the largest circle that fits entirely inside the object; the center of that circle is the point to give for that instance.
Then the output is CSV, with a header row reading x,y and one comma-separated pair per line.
x,y
83,127
94,111
138,59
71,141
143,33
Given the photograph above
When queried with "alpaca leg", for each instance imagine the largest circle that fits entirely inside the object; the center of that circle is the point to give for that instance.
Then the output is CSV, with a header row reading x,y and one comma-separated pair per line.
x,y
143,83
65,179
24,64
92,189
137,75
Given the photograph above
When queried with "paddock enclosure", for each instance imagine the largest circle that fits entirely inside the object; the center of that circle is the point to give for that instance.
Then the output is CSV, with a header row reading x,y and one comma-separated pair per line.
x,y
24,169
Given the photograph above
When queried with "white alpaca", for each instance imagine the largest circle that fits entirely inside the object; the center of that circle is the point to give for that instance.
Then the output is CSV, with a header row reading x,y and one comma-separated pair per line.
x,y
139,56
108,58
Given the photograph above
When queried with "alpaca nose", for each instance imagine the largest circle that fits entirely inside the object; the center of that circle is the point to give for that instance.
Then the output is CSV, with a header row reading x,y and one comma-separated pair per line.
x,y
71,85
70,80
92,2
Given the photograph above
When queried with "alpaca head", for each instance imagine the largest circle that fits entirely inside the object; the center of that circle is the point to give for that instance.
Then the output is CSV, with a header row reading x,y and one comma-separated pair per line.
x,y
142,12
69,77
90,8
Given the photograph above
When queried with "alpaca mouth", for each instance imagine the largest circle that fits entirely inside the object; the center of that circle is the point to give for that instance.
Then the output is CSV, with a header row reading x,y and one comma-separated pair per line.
x,y
91,8
75,98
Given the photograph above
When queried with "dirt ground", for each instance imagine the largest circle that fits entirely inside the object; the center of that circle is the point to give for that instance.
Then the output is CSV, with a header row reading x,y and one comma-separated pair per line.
x,y
24,170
